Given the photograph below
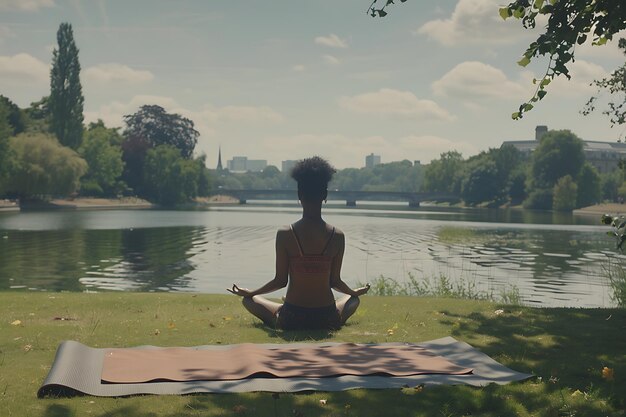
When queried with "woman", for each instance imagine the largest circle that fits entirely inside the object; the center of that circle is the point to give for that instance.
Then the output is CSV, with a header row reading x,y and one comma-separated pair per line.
x,y
308,258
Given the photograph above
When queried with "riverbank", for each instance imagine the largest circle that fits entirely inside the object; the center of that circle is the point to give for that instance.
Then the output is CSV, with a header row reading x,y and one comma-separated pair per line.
x,y
567,349
599,209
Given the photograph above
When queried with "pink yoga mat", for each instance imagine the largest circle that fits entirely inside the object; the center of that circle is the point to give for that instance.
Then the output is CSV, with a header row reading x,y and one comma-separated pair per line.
x,y
245,360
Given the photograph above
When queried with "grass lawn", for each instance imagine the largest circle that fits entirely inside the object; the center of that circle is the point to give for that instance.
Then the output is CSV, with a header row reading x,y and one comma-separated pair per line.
x,y
566,349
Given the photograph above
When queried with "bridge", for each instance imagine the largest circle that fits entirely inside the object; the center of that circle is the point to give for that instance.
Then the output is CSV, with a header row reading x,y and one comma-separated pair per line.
x,y
350,197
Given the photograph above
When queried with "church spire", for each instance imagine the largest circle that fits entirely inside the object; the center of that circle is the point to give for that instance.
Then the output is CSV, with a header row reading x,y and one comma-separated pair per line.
x,y
219,159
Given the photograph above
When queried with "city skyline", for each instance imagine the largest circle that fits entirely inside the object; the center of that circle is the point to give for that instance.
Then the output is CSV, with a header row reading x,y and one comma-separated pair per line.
x,y
297,79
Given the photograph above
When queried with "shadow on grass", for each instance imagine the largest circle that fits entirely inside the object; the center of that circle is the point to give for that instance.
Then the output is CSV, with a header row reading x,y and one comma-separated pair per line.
x,y
564,347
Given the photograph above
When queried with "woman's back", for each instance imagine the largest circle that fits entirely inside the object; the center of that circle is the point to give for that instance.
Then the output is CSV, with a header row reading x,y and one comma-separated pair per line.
x,y
313,249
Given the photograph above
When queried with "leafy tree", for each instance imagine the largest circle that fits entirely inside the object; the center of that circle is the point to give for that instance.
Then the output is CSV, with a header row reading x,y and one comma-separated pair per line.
x,y
444,174
134,149
157,127
539,198
66,95
615,85
589,191
5,132
610,182
570,23
517,186
170,179
37,116
482,182
565,194
14,115
43,167
559,153
103,153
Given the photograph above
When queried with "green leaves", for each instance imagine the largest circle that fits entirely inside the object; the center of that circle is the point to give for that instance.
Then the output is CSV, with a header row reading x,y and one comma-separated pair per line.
x,y
524,61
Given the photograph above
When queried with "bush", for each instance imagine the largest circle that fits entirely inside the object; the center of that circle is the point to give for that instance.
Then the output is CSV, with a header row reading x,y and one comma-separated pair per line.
x,y
565,193
540,199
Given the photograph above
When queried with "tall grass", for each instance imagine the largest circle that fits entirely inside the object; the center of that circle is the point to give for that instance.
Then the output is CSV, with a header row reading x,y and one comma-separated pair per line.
x,y
615,271
441,286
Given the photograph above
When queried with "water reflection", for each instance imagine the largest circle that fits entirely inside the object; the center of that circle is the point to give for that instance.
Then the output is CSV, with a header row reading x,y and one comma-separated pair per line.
x,y
553,260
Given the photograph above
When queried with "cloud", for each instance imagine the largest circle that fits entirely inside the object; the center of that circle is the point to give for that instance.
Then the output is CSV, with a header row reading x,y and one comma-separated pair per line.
x,y
299,68
332,41
474,22
206,120
23,68
118,73
331,60
394,103
25,5
583,74
477,80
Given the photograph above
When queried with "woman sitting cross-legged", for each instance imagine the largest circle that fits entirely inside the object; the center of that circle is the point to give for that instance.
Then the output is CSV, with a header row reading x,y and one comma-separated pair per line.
x,y
309,254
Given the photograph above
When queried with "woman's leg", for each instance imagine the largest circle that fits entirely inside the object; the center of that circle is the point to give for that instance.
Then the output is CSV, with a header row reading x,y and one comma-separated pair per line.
x,y
262,308
347,306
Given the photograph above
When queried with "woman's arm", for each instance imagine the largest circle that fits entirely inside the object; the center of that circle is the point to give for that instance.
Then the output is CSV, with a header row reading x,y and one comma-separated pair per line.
x,y
335,273
282,271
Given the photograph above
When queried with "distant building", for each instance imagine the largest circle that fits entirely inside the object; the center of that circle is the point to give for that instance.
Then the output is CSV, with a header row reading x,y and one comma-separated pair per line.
x,y
243,164
372,160
219,160
604,156
288,165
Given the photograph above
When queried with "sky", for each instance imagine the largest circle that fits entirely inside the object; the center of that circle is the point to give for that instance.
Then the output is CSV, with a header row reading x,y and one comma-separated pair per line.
x,y
286,79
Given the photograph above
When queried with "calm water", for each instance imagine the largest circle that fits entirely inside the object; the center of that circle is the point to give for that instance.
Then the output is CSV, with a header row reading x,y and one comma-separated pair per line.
x,y
553,259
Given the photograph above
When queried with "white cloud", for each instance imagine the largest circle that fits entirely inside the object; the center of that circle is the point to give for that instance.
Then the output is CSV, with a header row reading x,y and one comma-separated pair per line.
x,y
332,41
113,72
474,22
299,68
477,80
583,74
23,68
206,120
331,60
394,103
25,5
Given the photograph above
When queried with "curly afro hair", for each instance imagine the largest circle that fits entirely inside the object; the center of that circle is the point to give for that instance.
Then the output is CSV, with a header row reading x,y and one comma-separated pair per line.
x,y
312,175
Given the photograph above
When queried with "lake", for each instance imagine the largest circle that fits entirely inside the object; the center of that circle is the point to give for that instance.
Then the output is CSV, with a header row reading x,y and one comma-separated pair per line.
x,y
552,259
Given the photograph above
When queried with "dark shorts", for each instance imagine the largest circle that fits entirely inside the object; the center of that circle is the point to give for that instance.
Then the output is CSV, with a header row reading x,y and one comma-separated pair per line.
x,y
291,317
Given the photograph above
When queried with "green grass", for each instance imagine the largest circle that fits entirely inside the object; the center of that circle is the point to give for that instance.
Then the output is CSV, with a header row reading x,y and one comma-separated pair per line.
x,y
565,348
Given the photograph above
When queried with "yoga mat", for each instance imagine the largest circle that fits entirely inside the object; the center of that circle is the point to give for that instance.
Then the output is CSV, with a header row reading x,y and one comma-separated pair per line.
x,y
284,361
77,370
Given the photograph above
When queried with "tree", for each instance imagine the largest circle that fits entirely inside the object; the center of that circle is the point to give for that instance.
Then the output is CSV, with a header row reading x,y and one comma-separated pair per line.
x,y
66,95
15,117
615,84
157,127
559,153
5,133
570,23
482,182
43,167
170,179
444,174
37,116
589,190
565,192
102,151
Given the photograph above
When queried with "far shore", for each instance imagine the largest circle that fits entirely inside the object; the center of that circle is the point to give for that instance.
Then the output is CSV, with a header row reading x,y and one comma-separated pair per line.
x,y
93,203
599,209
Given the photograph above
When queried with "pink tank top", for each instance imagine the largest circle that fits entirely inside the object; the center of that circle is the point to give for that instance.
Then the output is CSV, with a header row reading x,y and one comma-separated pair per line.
x,y
311,264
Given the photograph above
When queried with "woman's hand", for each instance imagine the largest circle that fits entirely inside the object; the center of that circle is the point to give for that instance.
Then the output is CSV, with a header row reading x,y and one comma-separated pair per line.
x,y
242,292
360,291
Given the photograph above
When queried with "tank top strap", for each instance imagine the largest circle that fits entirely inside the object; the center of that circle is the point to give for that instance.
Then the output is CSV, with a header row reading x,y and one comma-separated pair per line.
x,y
293,232
332,234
